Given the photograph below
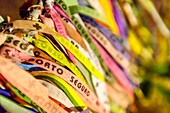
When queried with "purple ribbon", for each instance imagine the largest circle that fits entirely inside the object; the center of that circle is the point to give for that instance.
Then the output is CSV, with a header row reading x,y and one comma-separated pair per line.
x,y
119,18
5,93
85,111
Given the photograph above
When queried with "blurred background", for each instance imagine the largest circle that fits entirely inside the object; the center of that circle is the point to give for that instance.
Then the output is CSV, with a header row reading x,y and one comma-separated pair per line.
x,y
152,55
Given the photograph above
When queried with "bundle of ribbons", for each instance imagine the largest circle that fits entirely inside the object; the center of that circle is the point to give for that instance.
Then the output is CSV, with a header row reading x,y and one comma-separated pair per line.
x,y
69,56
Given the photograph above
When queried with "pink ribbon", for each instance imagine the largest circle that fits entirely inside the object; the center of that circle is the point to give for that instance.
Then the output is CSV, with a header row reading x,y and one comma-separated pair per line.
x,y
115,70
